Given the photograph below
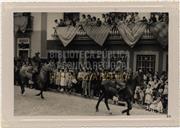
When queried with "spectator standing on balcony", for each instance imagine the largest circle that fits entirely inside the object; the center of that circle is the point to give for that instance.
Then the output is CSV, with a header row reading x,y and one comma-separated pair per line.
x,y
144,19
113,24
83,19
128,18
89,19
61,23
165,17
152,18
56,22
104,19
108,19
160,17
136,17
98,23
124,16
68,21
93,21
132,18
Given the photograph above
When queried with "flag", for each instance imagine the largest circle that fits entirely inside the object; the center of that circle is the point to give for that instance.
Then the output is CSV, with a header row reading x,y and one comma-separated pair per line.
x,y
20,22
160,31
133,34
66,34
97,33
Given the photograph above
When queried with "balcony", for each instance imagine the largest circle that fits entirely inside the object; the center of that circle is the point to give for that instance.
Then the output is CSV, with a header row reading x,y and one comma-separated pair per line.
x,y
113,35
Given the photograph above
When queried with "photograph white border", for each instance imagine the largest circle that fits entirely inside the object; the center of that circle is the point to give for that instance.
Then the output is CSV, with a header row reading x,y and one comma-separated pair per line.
x,y
8,118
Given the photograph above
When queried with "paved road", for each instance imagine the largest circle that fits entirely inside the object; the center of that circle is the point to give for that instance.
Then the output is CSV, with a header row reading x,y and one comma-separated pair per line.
x,y
63,104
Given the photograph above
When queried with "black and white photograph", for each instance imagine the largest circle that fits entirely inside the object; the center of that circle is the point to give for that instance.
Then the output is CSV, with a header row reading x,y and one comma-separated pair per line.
x,y
90,63
93,64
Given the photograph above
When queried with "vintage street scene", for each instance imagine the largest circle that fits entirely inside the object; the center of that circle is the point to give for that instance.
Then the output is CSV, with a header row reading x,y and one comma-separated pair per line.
x,y
90,64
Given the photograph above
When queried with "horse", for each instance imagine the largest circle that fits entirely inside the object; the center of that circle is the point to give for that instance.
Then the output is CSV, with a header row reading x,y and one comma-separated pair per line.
x,y
122,90
40,78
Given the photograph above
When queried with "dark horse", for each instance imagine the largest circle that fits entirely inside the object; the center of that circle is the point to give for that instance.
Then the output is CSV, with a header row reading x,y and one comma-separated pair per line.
x,y
40,78
123,90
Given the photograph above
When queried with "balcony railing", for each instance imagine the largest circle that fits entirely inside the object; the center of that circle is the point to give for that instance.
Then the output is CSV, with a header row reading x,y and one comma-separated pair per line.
x,y
114,34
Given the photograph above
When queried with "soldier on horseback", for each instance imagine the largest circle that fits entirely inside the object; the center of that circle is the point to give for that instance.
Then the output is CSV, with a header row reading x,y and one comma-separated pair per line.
x,y
36,63
119,87
36,60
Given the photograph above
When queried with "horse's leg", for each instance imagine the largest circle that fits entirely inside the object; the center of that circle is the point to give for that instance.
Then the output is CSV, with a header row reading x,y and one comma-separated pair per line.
x,y
38,94
40,87
99,100
22,89
129,107
42,97
22,86
106,102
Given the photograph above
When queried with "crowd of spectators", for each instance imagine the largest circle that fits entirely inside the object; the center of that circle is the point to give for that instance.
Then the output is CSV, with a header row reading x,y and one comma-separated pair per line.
x,y
112,19
151,90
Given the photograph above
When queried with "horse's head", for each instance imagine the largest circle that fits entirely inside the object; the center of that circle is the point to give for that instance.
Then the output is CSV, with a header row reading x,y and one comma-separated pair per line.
x,y
50,67
131,81
35,69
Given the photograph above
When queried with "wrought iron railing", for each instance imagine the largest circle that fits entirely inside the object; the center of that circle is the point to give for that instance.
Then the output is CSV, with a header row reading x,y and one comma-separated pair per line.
x,y
115,33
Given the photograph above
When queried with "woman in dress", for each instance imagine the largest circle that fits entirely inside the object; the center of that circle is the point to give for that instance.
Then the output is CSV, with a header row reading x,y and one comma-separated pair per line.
x,y
63,81
157,103
148,96
58,79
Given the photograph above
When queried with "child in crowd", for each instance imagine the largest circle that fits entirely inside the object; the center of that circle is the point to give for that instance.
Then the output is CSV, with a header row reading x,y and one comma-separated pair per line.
x,y
63,80
148,96
136,95
151,82
139,95
157,103
58,79
69,81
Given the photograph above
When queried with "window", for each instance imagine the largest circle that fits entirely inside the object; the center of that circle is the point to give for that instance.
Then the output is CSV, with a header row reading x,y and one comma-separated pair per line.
x,y
145,63
71,16
115,57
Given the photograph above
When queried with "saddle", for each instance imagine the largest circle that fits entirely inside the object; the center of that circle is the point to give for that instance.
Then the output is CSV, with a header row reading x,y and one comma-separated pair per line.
x,y
114,85
120,85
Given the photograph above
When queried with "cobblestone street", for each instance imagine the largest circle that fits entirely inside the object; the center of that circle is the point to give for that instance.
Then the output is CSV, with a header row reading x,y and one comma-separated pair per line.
x,y
62,104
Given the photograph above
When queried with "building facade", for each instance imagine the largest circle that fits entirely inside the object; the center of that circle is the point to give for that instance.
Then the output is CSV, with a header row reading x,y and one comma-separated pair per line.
x,y
148,54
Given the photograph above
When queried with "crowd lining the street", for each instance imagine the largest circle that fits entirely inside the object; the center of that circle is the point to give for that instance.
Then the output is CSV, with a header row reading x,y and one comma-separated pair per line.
x,y
151,91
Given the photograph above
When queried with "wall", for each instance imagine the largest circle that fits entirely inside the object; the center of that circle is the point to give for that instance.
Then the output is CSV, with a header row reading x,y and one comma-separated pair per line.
x,y
36,34
50,23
